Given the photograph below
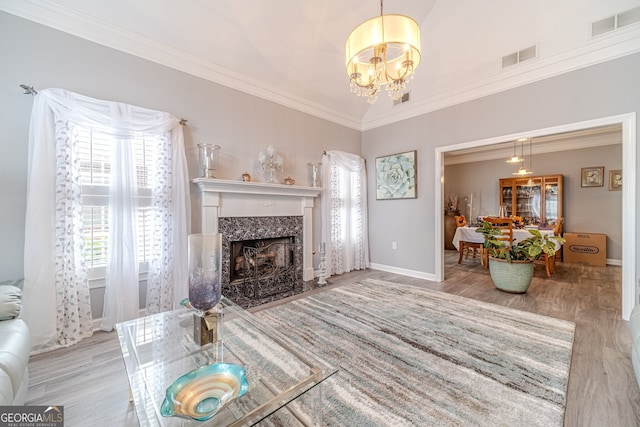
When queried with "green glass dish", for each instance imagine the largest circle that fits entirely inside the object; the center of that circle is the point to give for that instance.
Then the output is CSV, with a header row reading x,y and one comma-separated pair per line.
x,y
201,393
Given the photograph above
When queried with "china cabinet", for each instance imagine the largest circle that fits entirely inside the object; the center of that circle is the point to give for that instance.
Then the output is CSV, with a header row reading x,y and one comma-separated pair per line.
x,y
536,199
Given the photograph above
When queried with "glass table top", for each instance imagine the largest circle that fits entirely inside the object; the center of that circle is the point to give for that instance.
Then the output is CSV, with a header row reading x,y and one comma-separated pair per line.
x,y
158,349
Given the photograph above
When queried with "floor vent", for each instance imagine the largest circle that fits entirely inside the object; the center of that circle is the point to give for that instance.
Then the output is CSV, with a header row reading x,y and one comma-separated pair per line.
x,y
603,26
526,54
404,98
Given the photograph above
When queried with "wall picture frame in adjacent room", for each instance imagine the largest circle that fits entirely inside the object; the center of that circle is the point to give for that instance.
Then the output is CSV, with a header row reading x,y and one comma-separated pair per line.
x,y
615,180
396,176
593,176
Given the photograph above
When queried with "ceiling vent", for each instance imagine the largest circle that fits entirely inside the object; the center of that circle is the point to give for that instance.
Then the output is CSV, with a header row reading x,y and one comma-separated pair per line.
x,y
603,26
520,56
404,98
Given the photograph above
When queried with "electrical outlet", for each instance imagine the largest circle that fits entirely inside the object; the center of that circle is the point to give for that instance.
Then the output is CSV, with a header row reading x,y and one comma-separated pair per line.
x,y
394,245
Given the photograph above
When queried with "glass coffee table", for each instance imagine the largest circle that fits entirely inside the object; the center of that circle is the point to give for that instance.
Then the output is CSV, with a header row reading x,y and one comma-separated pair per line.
x,y
284,381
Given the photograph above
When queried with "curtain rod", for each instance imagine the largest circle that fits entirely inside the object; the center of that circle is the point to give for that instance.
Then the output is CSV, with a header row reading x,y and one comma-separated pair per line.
x,y
29,90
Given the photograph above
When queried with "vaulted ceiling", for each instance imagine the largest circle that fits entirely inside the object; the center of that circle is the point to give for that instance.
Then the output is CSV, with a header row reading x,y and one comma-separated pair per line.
x,y
292,51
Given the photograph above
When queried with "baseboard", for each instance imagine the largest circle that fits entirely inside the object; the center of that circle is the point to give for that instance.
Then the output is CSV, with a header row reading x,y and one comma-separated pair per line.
x,y
97,323
614,261
403,271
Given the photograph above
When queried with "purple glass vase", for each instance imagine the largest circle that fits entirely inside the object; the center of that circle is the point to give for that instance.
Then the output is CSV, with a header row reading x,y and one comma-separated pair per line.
x,y
205,270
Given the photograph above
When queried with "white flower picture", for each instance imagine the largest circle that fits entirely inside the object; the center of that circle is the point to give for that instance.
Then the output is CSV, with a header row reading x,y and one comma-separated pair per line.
x,y
396,176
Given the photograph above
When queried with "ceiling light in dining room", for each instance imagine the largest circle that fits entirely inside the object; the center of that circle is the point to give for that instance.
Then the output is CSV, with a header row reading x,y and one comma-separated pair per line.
x,y
384,50
515,158
522,170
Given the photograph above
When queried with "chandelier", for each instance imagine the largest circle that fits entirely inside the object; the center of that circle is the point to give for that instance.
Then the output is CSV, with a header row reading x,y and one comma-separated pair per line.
x,y
515,158
384,50
522,171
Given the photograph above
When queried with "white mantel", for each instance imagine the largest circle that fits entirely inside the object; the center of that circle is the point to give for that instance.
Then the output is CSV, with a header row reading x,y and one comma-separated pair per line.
x,y
225,198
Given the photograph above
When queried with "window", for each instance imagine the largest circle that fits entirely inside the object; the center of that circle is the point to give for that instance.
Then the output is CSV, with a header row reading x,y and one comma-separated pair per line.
x,y
94,155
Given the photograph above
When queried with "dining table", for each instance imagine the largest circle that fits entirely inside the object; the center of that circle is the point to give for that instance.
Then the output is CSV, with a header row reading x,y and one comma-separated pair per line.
x,y
469,234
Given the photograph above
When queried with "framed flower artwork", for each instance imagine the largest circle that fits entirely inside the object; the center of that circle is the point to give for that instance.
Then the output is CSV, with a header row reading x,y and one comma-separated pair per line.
x,y
396,176
615,180
593,176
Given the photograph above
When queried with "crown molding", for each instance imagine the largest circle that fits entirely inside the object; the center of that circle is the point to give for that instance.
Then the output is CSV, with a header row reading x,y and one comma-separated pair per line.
x,y
61,18
553,143
596,50
600,49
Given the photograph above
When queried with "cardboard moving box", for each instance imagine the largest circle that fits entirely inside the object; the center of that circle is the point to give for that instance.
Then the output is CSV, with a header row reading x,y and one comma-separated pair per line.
x,y
588,248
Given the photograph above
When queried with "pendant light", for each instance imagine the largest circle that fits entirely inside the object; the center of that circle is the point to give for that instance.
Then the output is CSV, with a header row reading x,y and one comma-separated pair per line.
x,y
522,171
514,158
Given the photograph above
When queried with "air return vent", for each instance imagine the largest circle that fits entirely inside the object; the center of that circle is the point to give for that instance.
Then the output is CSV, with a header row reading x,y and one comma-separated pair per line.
x,y
404,98
603,26
520,56
629,17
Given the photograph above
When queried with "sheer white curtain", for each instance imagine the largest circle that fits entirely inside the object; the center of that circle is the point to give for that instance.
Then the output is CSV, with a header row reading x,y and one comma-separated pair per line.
x,y
56,294
344,212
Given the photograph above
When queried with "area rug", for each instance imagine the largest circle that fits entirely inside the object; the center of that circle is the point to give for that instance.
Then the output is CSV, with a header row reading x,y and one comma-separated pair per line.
x,y
412,356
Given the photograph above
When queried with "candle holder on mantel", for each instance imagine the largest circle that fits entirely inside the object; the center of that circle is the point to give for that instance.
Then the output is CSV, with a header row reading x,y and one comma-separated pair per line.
x,y
205,286
314,169
209,159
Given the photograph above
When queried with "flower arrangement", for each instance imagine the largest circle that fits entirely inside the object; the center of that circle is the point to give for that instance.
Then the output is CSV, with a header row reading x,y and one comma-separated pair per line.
x,y
452,202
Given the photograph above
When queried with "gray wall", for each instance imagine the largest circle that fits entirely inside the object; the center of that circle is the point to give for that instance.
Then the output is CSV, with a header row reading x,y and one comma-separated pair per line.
x,y
241,124
588,210
603,90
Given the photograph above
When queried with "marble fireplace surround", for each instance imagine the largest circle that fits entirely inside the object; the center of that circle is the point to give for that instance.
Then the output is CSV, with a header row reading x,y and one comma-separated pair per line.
x,y
225,198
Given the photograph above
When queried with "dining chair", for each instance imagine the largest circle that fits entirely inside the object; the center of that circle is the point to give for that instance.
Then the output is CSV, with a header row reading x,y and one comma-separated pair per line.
x,y
505,225
550,261
465,246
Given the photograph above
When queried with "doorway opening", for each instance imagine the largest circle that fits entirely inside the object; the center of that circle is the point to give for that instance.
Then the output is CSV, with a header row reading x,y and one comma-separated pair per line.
x,y
629,166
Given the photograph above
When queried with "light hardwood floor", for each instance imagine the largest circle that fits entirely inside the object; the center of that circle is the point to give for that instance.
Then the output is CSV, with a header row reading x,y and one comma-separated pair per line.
x,y
89,379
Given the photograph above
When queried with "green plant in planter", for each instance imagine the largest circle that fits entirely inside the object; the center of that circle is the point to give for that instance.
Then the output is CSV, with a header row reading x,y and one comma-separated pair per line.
x,y
511,265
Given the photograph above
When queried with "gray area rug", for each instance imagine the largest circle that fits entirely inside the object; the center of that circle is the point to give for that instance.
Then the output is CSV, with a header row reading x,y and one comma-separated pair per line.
x,y
412,356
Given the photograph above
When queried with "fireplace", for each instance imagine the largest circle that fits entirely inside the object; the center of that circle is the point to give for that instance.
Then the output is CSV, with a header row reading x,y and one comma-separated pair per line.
x,y
261,258
270,225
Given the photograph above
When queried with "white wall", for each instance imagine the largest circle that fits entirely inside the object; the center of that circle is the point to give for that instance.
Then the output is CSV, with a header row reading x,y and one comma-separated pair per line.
x,y
241,124
603,90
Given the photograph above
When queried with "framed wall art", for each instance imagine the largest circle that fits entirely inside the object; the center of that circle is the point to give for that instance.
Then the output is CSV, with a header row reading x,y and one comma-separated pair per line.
x,y
615,180
396,176
593,176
